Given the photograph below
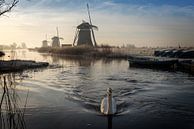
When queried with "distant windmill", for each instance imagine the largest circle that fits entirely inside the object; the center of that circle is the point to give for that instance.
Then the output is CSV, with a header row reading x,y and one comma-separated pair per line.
x,y
45,42
56,40
85,33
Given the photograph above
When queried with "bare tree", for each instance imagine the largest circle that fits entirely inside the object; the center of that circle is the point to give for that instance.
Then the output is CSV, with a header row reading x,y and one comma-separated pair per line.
x,y
7,5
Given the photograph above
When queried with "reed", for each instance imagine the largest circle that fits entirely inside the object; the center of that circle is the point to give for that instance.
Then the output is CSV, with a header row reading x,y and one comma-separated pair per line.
x,y
85,51
11,112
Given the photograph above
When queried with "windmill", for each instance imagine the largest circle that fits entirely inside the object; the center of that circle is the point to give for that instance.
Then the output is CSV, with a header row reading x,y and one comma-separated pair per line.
x,y
85,33
56,39
45,42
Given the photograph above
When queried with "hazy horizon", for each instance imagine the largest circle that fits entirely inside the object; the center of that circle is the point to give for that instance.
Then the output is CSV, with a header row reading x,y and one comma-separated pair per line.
x,y
139,22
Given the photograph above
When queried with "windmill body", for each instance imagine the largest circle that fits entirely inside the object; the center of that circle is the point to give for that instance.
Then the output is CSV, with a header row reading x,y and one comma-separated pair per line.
x,y
55,41
44,43
84,36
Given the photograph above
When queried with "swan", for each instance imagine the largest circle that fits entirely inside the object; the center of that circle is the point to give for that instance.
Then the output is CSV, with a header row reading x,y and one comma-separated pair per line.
x,y
108,105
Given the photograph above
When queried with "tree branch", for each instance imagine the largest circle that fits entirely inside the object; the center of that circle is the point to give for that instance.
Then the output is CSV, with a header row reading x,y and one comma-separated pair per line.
x,y
8,6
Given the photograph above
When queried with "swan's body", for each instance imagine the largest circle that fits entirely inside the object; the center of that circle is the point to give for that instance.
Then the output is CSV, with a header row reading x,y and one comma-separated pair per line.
x,y
108,104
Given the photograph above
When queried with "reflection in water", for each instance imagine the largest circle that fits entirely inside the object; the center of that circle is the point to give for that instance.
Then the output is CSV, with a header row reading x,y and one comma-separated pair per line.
x,y
80,61
24,53
55,59
109,118
11,114
13,55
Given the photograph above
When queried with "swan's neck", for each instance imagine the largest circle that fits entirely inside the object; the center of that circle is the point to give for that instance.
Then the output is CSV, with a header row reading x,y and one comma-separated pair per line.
x,y
109,104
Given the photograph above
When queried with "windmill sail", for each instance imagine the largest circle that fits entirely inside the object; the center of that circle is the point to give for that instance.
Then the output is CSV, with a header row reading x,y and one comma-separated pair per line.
x,y
95,44
75,38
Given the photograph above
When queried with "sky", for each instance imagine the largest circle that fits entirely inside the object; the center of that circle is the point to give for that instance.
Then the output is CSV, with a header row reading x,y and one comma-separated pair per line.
x,y
149,23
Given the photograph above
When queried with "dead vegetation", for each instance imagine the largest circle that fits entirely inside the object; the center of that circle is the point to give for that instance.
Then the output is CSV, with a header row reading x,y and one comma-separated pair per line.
x,y
86,51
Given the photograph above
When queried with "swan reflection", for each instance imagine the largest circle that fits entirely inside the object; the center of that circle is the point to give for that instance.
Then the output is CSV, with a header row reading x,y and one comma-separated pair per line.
x,y
109,119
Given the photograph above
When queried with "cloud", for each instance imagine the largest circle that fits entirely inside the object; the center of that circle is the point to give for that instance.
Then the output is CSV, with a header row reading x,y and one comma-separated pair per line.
x,y
118,22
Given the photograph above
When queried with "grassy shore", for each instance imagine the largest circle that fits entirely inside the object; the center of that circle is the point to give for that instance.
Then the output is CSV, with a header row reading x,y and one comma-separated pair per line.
x,y
96,52
83,51
20,65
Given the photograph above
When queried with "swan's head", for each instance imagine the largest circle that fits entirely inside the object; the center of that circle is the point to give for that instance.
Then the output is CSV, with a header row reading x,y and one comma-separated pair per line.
x,y
109,91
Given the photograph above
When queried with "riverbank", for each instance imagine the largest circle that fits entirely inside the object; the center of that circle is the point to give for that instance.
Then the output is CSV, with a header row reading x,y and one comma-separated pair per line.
x,y
20,65
84,51
163,63
97,52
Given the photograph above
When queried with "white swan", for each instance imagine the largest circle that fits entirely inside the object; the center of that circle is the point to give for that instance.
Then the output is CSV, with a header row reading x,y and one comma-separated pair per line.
x,y
108,105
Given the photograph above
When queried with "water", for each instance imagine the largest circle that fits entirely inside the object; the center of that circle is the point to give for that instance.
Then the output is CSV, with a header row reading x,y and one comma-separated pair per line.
x,y
68,97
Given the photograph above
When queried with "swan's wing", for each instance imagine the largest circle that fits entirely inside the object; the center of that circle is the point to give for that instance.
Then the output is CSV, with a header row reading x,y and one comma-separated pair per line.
x,y
103,106
114,106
